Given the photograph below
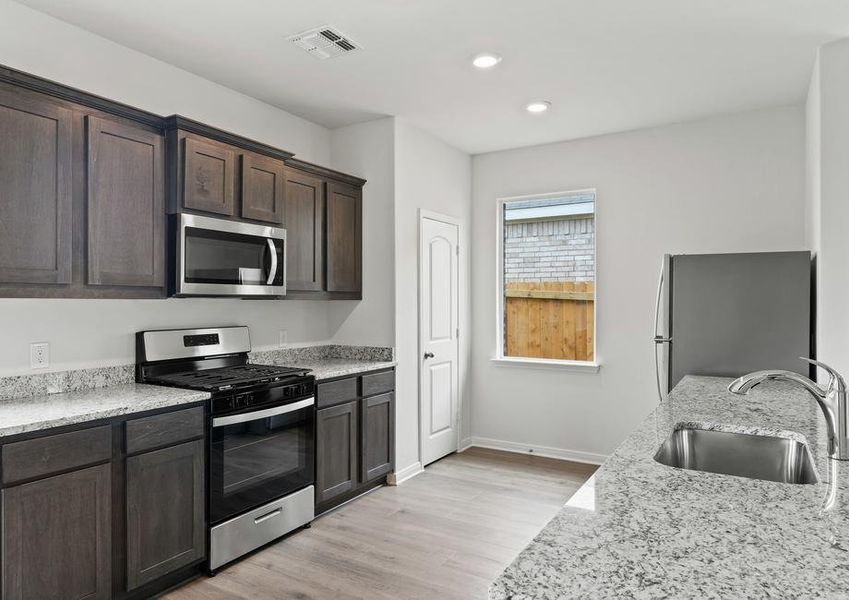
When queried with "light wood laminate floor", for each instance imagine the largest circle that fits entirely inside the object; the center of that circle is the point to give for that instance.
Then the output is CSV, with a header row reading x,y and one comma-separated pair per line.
x,y
445,534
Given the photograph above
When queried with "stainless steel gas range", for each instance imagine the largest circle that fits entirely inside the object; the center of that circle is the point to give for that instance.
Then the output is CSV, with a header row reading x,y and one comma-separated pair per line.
x,y
261,462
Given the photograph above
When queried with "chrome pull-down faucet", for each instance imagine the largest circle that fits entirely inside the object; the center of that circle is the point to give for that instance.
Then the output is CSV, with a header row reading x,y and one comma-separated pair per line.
x,y
831,397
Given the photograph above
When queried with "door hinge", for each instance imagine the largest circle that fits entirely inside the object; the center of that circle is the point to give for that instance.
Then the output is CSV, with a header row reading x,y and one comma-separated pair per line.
x,y
457,332
458,249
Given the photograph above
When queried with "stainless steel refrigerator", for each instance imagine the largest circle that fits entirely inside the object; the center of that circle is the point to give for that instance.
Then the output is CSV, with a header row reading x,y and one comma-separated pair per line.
x,y
730,314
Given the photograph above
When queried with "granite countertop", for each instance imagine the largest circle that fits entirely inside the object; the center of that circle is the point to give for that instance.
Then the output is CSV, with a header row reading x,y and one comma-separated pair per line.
x,y
640,529
329,361
328,368
39,412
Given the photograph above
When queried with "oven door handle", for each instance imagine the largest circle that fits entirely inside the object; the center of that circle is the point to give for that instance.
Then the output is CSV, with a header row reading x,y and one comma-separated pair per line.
x,y
262,414
272,272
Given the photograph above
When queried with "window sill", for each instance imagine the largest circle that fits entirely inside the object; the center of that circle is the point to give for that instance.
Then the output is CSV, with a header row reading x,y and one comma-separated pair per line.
x,y
544,363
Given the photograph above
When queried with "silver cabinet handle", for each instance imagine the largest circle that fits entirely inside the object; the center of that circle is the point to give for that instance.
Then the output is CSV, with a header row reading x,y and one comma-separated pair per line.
x,y
272,272
428,355
262,414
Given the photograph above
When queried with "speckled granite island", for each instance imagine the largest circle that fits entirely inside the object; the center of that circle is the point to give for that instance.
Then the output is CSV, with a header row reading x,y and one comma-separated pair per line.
x,y
640,529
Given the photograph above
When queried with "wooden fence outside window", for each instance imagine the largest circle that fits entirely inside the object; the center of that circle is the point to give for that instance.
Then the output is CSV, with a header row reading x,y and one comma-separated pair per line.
x,y
550,320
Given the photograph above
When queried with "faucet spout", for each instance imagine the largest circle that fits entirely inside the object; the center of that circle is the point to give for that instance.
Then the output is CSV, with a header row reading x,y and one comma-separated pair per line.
x,y
832,399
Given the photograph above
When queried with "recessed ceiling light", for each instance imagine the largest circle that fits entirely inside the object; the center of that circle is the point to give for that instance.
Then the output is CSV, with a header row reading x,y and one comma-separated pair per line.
x,y
538,106
486,60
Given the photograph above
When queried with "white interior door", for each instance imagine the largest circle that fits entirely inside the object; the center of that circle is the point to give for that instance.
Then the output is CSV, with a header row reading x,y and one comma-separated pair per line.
x,y
438,336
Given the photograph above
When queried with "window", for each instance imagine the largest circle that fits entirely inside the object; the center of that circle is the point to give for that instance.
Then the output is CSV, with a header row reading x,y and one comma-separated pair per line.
x,y
546,287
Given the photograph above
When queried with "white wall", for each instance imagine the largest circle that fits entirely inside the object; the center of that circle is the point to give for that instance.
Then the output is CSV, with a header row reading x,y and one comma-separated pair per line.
x,y
96,332
39,44
406,169
727,184
828,198
367,150
432,175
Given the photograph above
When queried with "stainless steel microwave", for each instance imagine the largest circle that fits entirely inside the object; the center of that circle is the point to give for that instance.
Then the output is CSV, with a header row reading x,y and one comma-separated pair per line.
x,y
217,257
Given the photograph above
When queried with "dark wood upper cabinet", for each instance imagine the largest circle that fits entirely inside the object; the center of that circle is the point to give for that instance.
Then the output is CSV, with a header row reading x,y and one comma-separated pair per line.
x,y
336,451
87,184
377,443
35,189
126,205
209,170
263,188
304,222
165,511
57,537
344,237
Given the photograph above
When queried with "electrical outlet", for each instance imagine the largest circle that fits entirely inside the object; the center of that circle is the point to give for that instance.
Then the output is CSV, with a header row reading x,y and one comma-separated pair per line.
x,y
284,337
39,355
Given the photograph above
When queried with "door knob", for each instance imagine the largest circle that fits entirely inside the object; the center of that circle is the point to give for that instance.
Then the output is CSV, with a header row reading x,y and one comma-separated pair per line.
x,y
428,355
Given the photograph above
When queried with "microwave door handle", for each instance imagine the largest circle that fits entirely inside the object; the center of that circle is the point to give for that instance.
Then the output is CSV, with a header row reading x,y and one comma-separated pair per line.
x,y
272,272
262,414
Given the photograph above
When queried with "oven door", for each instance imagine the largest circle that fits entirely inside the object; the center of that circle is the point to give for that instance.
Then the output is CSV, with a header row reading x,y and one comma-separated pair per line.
x,y
216,257
260,455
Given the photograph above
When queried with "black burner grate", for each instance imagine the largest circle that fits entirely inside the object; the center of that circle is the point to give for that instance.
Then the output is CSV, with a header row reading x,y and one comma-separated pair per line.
x,y
224,378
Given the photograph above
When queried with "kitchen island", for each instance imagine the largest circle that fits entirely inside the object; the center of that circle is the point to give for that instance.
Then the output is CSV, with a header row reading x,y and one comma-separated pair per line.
x,y
641,529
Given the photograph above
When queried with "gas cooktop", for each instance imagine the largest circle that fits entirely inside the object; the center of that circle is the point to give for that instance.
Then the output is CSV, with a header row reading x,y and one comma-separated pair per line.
x,y
229,377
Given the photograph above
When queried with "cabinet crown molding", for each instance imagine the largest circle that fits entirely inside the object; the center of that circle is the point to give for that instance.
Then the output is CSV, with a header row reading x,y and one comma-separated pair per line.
x,y
320,171
196,127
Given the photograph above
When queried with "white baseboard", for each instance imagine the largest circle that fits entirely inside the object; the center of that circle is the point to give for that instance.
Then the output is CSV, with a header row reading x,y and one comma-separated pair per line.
x,y
465,444
399,477
549,452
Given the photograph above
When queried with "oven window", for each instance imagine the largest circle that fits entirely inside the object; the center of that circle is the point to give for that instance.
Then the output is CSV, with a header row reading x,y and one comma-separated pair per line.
x,y
260,460
230,258
260,451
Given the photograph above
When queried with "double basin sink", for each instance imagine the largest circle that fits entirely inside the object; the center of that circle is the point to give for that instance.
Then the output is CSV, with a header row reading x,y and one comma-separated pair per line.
x,y
765,457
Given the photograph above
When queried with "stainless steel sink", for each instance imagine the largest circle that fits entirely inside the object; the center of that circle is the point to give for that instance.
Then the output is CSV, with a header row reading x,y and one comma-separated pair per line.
x,y
754,456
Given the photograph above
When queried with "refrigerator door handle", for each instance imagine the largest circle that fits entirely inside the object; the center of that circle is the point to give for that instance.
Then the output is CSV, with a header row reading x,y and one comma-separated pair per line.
x,y
659,338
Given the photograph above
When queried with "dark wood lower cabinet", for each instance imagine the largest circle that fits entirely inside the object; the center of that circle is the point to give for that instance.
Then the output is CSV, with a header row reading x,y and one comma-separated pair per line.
x,y
377,436
165,511
81,520
57,537
355,438
336,451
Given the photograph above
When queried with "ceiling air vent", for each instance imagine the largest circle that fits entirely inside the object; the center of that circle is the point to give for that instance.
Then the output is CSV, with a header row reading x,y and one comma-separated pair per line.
x,y
325,42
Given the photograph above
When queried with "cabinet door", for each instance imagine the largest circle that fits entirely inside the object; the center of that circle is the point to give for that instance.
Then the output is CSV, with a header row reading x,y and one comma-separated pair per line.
x,y
344,238
263,188
165,511
336,451
57,537
35,190
377,443
303,217
126,206
209,170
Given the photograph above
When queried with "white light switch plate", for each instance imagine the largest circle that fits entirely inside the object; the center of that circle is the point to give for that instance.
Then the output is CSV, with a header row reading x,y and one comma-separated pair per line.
x,y
39,355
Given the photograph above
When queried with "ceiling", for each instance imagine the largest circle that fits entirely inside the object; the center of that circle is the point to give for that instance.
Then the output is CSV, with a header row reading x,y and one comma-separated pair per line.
x,y
606,65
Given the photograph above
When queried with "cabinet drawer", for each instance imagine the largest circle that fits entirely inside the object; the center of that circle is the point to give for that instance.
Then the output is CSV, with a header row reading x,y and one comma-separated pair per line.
x,y
378,383
31,459
164,430
335,392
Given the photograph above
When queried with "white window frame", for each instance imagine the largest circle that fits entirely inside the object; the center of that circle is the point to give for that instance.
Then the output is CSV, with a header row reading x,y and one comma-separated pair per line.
x,y
540,363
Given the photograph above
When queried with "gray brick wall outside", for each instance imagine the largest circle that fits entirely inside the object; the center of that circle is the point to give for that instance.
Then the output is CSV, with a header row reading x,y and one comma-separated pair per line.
x,y
558,250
